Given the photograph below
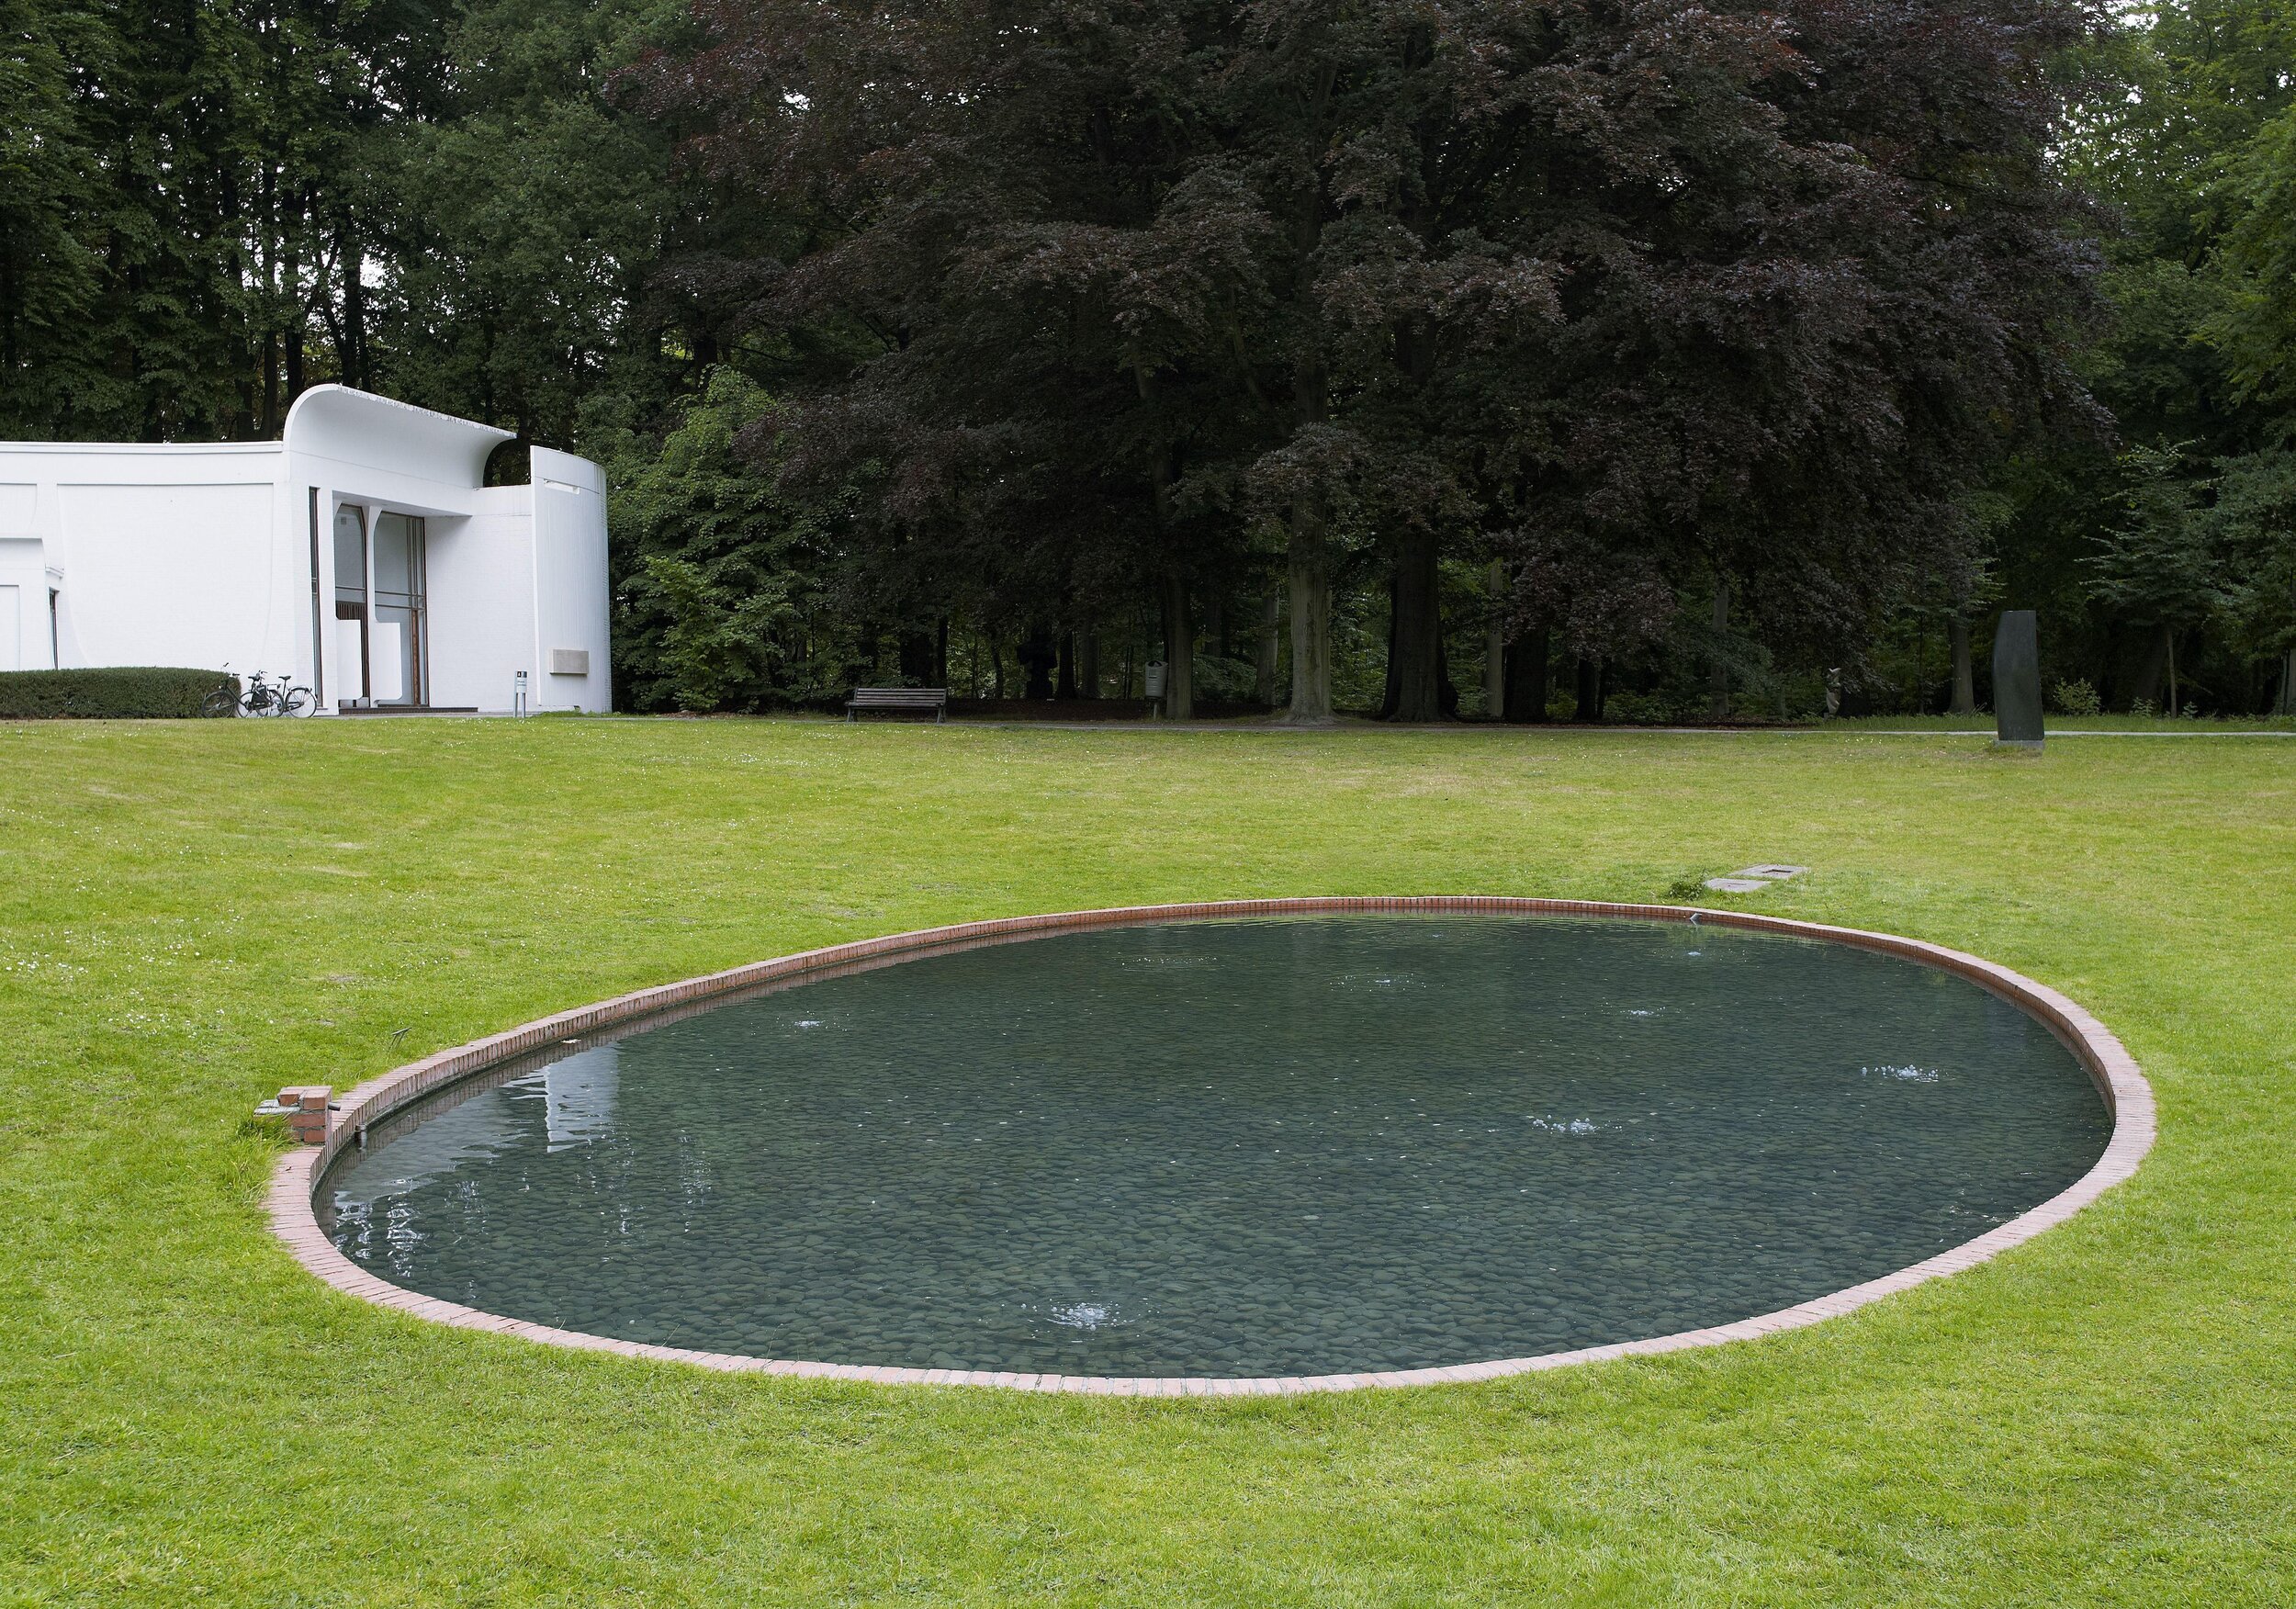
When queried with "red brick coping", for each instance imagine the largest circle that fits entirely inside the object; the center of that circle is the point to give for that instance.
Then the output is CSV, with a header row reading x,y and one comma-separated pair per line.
x,y
2116,1073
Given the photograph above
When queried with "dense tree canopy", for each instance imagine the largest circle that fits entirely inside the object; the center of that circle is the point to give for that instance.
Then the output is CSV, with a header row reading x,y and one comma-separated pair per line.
x,y
2190,138
1640,302
211,204
1367,354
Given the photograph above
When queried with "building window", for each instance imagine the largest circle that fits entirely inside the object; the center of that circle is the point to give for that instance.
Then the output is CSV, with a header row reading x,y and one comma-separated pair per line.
x,y
351,648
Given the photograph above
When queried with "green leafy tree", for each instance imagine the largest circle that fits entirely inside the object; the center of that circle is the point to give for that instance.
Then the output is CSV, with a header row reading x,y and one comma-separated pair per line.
x,y
2255,324
183,185
518,224
49,267
2158,566
2254,523
2184,140
721,571
2254,328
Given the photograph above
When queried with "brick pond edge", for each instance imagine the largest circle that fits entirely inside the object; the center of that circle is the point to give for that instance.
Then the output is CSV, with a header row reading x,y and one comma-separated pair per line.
x,y
302,1168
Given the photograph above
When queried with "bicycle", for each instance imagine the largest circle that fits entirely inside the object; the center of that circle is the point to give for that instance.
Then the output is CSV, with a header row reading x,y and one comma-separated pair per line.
x,y
224,700
265,696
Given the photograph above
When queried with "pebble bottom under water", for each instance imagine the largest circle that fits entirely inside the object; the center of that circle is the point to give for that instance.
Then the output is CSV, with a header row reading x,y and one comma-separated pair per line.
x,y
1279,1147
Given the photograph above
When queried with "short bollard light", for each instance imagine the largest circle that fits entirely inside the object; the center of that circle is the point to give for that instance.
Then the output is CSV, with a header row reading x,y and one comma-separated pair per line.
x,y
304,1107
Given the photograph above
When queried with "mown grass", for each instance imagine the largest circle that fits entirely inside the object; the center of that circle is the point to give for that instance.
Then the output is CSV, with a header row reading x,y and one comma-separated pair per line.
x,y
192,914
1983,722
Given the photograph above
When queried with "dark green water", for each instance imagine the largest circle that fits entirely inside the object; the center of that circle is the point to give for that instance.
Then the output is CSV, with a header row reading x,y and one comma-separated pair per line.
x,y
1257,1147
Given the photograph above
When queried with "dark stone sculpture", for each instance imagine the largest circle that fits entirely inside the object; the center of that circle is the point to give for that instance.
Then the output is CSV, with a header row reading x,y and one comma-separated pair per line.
x,y
2017,678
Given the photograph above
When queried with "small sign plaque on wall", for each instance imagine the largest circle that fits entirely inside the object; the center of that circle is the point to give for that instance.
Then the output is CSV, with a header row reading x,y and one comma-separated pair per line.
x,y
569,661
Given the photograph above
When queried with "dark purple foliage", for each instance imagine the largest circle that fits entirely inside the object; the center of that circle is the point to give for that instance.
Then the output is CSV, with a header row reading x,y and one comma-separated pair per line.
x,y
1636,296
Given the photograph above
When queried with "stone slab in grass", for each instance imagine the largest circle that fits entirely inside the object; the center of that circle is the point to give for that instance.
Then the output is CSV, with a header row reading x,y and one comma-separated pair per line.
x,y
1753,879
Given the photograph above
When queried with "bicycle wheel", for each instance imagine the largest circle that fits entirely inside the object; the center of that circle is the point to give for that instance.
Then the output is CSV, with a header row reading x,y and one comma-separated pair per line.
x,y
222,702
296,700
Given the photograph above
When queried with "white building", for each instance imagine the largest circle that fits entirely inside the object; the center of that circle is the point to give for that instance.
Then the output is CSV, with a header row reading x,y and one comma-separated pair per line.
x,y
361,556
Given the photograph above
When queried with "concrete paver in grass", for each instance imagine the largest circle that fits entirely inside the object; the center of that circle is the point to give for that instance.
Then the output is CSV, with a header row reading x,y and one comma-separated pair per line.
x,y
1753,879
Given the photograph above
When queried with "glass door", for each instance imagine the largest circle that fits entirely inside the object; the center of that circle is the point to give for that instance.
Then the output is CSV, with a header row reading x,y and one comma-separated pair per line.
x,y
397,651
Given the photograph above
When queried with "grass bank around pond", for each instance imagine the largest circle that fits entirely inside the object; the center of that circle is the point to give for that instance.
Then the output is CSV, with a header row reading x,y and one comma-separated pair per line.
x,y
194,914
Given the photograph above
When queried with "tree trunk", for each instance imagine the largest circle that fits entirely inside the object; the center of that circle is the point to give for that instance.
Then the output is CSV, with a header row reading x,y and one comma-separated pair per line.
x,y
1310,586
2287,705
349,263
1037,655
1718,678
1309,581
917,659
1065,679
1179,652
1965,670
2147,687
267,354
291,336
1526,677
1271,641
1415,633
1390,687
1087,664
1495,647
1179,625
1590,708
2169,641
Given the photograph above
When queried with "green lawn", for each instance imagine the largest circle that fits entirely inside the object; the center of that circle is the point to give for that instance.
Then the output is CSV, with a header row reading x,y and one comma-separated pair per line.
x,y
192,914
1983,722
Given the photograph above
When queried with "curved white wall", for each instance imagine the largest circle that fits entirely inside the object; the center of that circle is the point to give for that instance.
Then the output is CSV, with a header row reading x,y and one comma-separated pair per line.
x,y
570,603
203,555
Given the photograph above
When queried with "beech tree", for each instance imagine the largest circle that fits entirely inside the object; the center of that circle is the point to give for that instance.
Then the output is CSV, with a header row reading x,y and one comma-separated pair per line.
x,y
1051,268
1809,291
1635,299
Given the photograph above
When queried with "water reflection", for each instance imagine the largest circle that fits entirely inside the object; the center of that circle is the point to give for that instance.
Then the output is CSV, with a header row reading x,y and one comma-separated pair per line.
x,y
579,1092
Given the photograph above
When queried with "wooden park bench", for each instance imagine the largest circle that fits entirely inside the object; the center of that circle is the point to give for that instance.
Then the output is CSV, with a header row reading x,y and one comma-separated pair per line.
x,y
918,699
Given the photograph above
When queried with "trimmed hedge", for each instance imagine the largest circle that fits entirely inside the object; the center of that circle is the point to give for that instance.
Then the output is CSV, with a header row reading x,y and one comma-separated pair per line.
x,y
114,693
